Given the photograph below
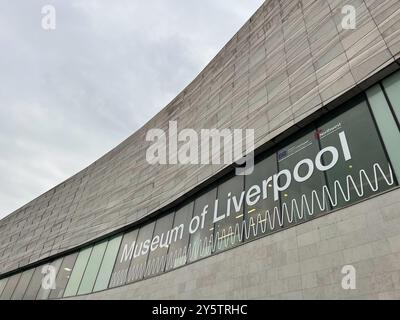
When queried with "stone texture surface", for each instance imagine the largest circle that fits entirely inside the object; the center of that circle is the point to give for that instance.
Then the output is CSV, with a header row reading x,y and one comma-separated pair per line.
x,y
303,262
289,60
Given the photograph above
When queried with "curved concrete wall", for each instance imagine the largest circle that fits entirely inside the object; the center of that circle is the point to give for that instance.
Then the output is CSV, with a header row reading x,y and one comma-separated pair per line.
x,y
289,60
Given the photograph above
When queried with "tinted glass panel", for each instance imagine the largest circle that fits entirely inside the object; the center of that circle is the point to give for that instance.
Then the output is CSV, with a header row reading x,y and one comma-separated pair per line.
x,y
298,180
22,285
63,276
201,241
387,125
77,272
159,245
10,287
47,273
260,198
177,253
107,264
392,88
34,285
125,254
360,155
3,283
139,259
92,268
228,230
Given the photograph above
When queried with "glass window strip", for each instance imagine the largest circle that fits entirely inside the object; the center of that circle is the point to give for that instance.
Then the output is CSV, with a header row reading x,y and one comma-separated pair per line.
x,y
22,285
386,124
89,276
107,265
3,283
49,273
391,88
10,287
77,273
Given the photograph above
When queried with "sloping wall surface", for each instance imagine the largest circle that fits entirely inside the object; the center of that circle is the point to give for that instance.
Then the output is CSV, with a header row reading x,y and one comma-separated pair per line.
x,y
289,60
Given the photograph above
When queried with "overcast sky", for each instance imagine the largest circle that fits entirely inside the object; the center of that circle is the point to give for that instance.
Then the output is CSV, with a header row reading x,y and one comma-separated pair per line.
x,y
70,95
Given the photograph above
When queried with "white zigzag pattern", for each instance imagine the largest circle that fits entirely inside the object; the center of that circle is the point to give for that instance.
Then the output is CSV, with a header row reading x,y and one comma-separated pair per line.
x,y
245,229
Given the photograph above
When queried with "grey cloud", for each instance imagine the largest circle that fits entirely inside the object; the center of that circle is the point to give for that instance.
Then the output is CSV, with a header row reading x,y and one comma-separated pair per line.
x,y
70,95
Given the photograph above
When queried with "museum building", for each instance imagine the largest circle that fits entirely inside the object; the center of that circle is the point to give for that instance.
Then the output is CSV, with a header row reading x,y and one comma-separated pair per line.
x,y
324,104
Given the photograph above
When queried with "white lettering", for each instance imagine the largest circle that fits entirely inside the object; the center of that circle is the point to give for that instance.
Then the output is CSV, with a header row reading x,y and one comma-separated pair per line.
x,y
253,195
154,243
195,220
345,146
216,217
127,255
309,164
335,158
